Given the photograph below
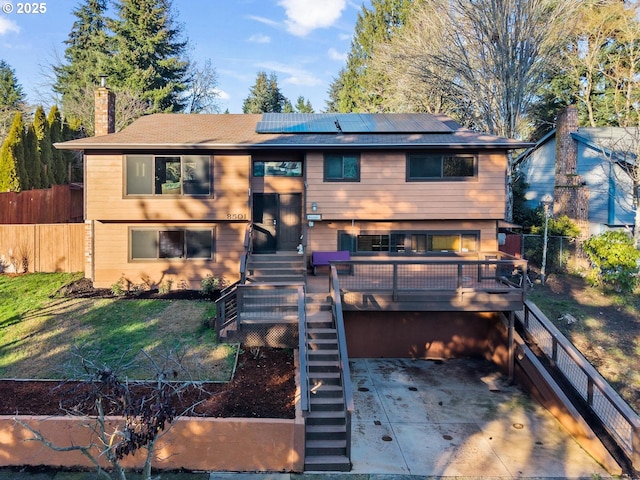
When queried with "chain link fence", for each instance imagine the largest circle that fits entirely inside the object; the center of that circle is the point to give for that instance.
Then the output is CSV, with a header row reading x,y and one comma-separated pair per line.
x,y
559,251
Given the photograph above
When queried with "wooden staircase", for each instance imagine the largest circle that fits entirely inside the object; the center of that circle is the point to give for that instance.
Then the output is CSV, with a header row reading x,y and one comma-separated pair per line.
x,y
326,431
278,267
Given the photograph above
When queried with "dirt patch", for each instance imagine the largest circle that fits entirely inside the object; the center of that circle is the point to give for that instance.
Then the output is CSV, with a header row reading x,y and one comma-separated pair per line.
x,y
263,387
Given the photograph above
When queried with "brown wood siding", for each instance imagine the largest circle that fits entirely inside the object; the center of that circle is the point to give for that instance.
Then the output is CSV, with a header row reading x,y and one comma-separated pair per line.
x,y
383,192
104,185
277,184
47,248
112,257
324,235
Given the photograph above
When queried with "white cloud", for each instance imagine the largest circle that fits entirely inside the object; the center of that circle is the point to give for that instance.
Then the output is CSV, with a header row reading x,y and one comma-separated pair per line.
x,y
222,95
294,76
259,38
266,21
336,55
304,16
344,36
7,26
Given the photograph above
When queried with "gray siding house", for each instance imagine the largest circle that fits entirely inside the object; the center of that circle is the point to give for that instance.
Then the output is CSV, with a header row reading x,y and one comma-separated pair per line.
x,y
581,169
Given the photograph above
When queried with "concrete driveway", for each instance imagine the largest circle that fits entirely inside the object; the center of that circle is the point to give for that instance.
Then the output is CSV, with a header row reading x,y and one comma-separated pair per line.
x,y
456,418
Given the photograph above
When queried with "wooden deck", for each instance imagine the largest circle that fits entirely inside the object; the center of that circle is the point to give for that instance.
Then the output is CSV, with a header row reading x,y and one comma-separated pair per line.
x,y
431,285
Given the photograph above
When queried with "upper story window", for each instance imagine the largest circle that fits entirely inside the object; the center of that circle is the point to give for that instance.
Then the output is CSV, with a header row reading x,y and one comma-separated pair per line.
x,y
423,167
277,169
341,168
168,175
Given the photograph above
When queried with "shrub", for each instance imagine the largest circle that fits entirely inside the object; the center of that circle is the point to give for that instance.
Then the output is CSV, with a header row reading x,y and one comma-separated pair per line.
x,y
614,259
119,289
211,284
166,287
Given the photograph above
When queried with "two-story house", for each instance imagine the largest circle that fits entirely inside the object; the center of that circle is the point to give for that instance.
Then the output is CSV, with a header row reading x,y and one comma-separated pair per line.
x,y
171,196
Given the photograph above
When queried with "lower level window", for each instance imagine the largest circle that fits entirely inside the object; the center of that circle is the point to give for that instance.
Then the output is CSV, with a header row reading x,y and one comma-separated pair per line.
x,y
149,244
451,242
409,242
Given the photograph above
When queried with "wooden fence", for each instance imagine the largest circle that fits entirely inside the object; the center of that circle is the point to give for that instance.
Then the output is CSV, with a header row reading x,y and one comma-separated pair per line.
x,y
58,204
42,248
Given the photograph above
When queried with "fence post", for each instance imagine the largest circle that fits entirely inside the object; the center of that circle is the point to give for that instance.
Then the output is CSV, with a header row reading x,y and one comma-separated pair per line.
x,y
395,282
635,446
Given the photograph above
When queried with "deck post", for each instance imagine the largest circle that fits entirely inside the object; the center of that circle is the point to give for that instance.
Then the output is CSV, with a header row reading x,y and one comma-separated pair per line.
x,y
395,282
511,346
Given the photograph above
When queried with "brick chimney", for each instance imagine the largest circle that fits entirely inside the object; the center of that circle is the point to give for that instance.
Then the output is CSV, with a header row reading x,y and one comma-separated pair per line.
x,y
105,109
571,195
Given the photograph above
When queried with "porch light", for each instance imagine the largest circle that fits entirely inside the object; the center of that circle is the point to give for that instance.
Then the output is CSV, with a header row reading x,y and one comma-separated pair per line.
x,y
547,201
314,207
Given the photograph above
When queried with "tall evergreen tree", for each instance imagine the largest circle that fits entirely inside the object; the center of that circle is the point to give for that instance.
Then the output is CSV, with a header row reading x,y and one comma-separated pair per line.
x,y
360,88
303,106
12,98
44,147
86,59
265,96
58,160
32,158
12,173
149,55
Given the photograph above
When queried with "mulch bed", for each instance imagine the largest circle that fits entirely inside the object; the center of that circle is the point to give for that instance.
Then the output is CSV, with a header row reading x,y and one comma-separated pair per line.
x,y
263,387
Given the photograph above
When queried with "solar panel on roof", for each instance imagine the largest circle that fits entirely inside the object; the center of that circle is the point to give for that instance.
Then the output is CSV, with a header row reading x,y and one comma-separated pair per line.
x,y
350,123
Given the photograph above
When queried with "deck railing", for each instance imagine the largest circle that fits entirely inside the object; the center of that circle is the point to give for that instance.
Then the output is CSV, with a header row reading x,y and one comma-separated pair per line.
x,y
622,423
336,308
494,273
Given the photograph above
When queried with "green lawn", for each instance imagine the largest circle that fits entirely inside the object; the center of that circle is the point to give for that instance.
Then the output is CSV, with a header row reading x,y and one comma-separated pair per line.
x,y
43,335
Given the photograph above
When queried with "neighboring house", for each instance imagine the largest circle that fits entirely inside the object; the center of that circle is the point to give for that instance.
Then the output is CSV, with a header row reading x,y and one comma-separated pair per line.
x,y
580,168
172,196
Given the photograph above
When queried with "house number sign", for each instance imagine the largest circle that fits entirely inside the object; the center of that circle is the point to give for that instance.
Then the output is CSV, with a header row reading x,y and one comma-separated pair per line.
x,y
236,216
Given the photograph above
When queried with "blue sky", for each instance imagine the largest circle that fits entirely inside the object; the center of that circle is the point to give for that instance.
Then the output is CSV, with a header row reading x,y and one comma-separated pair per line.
x,y
304,42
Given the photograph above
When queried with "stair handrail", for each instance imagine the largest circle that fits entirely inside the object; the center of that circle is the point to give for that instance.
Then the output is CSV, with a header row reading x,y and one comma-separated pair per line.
x,y
305,391
614,413
248,248
227,295
336,307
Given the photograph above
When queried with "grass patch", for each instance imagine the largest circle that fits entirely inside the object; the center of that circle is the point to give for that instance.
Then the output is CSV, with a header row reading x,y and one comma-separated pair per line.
x,y
42,337
23,293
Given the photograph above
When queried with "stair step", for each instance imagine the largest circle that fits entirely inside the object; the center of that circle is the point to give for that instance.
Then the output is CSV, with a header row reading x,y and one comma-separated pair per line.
x,y
323,463
323,354
326,417
317,448
326,390
323,363
324,375
252,318
269,310
326,432
322,343
326,333
336,402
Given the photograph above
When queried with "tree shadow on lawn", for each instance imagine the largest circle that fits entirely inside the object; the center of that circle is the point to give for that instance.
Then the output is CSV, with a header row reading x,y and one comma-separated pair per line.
x,y
50,342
